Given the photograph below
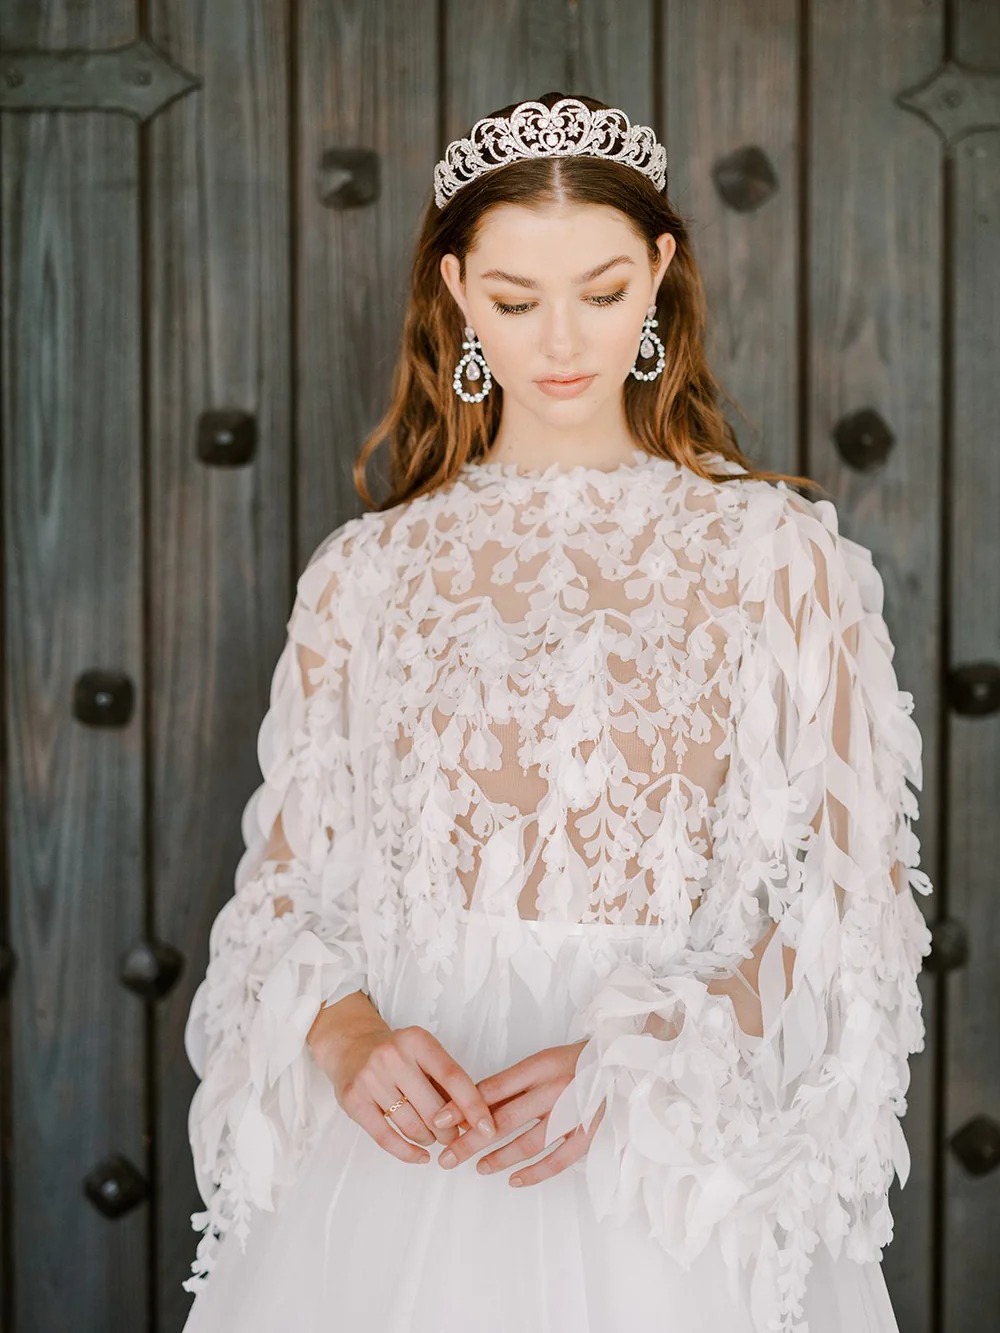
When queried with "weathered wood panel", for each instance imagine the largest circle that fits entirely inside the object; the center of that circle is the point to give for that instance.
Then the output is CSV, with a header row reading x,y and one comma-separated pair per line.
x,y
730,76
221,544
871,320
971,1220
73,570
368,78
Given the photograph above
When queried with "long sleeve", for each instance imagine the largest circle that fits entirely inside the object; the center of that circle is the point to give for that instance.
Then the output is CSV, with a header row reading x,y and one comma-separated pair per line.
x,y
288,941
753,1082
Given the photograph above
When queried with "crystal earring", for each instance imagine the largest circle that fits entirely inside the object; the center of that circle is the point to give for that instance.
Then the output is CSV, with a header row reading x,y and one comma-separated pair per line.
x,y
476,363
647,348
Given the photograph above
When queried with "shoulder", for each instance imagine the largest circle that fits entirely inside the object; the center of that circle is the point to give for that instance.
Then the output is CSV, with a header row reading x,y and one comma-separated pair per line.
x,y
346,573
796,544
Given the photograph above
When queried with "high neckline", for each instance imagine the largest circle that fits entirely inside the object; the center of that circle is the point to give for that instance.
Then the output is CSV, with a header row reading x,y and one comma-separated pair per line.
x,y
638,460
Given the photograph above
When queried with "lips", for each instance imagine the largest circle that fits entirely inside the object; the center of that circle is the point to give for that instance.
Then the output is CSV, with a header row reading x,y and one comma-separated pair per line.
x,y
563,379
565,388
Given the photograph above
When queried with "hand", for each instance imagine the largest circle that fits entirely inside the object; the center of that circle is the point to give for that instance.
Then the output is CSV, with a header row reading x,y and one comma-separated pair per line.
x,y
370,1068
516,1095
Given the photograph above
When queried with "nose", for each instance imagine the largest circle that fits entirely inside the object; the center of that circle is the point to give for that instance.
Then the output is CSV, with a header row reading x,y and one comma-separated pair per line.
x,y
561,341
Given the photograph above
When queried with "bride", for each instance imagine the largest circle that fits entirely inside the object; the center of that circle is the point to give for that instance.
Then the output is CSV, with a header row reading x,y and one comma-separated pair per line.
x,y
581,878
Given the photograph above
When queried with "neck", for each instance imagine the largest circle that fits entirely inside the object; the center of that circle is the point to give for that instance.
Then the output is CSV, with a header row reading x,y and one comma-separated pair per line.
x,y
603,442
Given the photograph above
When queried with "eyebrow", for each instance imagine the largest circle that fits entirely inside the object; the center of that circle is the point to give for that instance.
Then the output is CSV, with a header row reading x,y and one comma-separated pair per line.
x,y
589,276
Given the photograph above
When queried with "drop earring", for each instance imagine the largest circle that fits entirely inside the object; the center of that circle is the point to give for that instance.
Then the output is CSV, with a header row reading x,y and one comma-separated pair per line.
x,y
648,349
476,366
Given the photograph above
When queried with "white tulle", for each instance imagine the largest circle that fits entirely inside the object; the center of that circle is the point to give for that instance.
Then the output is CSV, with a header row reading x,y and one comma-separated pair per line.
x,y
626,703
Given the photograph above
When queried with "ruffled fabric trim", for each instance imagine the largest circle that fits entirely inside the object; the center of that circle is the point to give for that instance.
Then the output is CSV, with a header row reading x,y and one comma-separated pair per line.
x,y
779,1142
287,943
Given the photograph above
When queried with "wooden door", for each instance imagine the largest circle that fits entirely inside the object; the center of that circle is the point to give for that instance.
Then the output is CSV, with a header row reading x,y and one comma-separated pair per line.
x,y
208,214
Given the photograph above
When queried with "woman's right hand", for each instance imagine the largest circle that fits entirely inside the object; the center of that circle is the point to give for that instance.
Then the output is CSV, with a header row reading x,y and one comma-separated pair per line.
x,y
371,1066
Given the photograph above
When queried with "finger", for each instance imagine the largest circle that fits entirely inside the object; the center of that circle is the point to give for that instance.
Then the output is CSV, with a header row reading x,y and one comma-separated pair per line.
x,y
572,1148
370,1118
445,1133
453,1112
424,1103
502,1087
509,1118
526,1145
384,1080
516,1078
452,1077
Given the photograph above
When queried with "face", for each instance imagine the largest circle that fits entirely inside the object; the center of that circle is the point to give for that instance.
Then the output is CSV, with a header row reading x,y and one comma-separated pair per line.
x,y
558,292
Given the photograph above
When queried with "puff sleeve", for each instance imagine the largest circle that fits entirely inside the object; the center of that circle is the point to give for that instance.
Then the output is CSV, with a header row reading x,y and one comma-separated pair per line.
x,y
752,1083
288,941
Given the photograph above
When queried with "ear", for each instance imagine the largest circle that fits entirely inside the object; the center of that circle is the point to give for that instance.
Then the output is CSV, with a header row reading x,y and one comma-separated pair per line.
x,y
667,245
450,269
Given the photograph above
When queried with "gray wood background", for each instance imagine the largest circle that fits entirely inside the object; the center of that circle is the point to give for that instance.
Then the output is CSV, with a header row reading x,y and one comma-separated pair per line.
x,y
173,257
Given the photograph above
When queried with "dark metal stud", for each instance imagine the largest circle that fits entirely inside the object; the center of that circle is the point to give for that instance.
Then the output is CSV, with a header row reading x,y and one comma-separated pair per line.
x,y
974,689
115,1186
949,946
138,79
348,177
977,1145
8,964
227,437
103,698
863,439
745,179
151,968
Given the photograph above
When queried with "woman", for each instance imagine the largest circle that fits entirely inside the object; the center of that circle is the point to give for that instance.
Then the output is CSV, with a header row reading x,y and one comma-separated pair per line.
x,y
583,855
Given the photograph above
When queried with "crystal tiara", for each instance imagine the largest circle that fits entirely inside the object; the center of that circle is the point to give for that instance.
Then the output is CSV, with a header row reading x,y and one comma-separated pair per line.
x,y
568,129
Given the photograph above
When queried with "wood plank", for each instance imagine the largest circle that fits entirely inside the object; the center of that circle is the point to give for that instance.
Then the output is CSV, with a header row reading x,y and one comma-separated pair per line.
x,y
368,78
971,1221
872,309
730,75
221,540
522,49
72,554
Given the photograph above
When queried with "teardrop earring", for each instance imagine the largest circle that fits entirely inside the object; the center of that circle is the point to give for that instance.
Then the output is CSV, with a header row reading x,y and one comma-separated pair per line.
x,y
647,348
477,366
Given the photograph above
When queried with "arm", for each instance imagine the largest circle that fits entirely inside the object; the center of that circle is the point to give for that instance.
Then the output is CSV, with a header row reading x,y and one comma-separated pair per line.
x,y
753,1085
288,942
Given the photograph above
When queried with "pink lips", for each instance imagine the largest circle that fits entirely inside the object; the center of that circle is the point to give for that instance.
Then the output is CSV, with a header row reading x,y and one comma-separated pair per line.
x,y
565,388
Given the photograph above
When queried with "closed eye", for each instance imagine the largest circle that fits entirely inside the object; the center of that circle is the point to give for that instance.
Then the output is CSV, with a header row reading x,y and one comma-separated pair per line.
x,y
607,298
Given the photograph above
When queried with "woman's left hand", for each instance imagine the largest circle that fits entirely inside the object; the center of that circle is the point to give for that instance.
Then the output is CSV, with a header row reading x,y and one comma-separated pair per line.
x,y
521,1093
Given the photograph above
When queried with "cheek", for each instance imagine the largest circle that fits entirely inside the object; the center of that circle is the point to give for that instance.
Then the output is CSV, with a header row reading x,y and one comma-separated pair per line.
x,y
620,338
503,349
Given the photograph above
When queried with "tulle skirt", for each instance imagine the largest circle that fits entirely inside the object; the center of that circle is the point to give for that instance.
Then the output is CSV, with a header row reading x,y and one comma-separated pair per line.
x,y
365,1243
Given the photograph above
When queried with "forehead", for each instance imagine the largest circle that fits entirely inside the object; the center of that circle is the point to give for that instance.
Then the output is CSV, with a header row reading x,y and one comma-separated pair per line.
x,y
552,241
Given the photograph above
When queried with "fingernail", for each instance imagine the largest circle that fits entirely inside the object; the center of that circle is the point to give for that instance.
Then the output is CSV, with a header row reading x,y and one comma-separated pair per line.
x,y
483,1167
486,1128
447,1158
516,1180
443,1118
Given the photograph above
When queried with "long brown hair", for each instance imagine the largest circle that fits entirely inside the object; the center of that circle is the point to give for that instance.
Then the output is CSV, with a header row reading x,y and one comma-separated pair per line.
x,y
432,432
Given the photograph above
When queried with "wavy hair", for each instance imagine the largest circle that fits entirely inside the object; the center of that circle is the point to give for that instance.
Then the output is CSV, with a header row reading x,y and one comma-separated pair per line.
x,y
432,433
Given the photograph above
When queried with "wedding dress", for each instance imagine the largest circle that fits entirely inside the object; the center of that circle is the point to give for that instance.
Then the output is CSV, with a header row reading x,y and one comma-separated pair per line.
x,y
557,755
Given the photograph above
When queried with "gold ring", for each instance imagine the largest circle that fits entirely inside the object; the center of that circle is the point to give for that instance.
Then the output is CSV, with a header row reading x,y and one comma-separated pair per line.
x,y
395,1106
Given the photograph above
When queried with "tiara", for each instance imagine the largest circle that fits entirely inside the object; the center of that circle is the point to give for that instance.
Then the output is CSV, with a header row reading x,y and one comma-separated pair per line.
x,y
568,129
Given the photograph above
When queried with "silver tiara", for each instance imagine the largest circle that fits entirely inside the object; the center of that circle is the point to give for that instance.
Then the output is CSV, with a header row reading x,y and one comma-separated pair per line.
x,y
568,129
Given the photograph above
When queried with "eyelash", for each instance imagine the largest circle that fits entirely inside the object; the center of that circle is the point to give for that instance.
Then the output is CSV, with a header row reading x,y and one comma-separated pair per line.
x,y
607,299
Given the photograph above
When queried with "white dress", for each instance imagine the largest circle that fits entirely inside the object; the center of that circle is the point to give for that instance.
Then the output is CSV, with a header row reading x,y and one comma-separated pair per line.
x,y
566,754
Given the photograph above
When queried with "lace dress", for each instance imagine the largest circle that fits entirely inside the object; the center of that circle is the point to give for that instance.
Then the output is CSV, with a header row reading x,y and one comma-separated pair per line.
x,y
571,754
